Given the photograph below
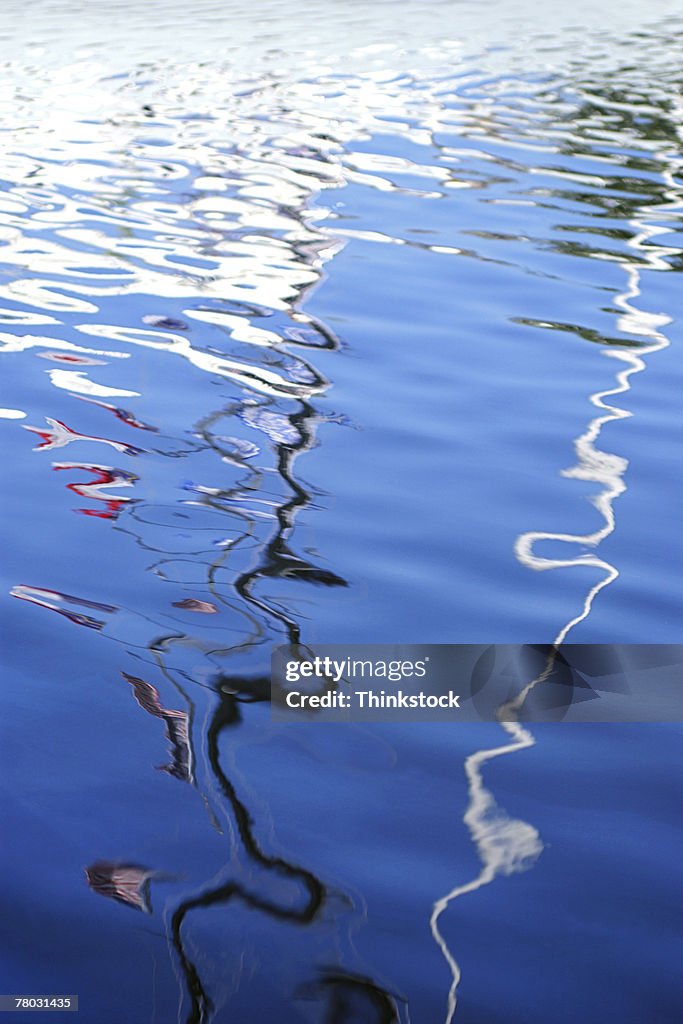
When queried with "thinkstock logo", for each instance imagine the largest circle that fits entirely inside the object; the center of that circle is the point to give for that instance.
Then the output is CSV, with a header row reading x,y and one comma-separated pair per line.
x,y
477,682
359,684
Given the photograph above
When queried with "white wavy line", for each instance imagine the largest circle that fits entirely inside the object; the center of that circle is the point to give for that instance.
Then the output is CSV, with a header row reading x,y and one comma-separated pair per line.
x,y
505,845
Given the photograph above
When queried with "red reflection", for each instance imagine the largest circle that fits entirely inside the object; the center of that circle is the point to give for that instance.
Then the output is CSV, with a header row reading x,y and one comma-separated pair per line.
x,y
59,435
121,414
104,477
60,357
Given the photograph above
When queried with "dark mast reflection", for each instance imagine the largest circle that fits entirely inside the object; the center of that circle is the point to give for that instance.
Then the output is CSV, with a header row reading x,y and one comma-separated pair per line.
x,y
343,997
291,435
278,561
277,386
353,998
312,889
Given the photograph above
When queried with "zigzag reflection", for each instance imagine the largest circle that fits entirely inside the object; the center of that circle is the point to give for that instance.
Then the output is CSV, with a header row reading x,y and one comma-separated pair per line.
x,y
506,845
254,878
203,255
259,508
206,254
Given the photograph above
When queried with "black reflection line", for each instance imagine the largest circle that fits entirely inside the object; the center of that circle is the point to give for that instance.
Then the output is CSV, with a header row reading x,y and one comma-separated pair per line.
x,y
227,714
278,560
352,994
346,994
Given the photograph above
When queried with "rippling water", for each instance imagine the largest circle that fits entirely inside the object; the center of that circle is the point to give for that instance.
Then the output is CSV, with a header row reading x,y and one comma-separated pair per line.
x,y
358,324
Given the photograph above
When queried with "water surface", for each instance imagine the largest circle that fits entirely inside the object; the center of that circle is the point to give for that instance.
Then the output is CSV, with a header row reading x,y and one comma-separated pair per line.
x,y
358,326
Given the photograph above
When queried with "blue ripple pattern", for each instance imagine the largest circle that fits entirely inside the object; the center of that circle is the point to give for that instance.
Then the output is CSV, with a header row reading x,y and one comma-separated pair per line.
x,y
359,324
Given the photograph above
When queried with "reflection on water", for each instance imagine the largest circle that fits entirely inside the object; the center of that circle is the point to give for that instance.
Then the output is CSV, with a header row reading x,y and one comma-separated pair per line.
x,y
177,727
103,478
168,238
59,436
594,465
505,845
127,883
63,604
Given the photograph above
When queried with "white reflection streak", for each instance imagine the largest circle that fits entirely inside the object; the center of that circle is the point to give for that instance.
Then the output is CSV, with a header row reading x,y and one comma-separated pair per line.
x,y
592,463
506,845
251,376
73,380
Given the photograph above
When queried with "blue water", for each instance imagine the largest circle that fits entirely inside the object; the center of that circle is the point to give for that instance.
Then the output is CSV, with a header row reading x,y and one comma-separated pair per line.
x,y
358,328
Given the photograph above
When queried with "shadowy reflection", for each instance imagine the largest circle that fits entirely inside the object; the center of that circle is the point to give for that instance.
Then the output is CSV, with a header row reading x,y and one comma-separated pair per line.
x,y
125,883
271,424
300,909
191,604
121,414
58,602
256,879
290,435
177,727
353,998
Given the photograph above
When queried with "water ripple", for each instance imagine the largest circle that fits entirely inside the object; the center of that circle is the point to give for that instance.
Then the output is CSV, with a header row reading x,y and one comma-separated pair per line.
x,y
181,212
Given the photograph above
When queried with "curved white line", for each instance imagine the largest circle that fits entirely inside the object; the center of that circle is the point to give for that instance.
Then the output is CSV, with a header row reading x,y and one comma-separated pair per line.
x,y
505,845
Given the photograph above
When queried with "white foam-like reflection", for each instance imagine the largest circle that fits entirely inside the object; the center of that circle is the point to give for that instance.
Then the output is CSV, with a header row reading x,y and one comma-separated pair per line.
x,y
77,381
255,378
